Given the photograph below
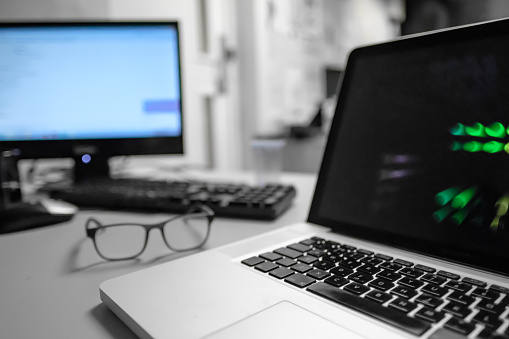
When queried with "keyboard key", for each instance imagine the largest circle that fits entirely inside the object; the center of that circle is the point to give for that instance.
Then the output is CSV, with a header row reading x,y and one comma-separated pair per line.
x,y
448,275
371,261
266,266
383,257
281,272
307,259
403,305
403,262
271,256
318,274
410,282
341,271
429,300
252,261
444,333
317,253
474,282
486,294
426,269
404,292
459,286
356,288
336,281
459,325
301,267
430,315
462,298
434,279
300,280
308,242
457,309
286,262
389,275
369,269
411,272
390,266
379,297
381,284
411,325
365,252
489,306
350,263
500,289
360,277
288,252
487,318
324,265
489,334
332,258
300,247
434,290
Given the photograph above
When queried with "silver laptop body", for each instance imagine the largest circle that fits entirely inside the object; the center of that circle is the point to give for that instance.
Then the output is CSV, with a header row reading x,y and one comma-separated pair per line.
x,y
406,236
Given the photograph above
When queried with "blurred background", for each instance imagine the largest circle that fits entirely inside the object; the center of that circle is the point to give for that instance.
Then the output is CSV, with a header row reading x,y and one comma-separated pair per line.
x,y
265,68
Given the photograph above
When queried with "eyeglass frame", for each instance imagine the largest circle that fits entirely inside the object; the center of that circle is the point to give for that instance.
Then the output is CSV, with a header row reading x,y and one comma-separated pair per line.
x,y
91,232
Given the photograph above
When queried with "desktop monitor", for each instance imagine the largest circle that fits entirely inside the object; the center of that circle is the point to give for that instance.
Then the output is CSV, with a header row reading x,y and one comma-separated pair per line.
x,y
90,91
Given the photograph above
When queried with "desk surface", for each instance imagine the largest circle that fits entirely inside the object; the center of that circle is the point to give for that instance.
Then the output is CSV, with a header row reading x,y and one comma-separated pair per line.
x,y
50,276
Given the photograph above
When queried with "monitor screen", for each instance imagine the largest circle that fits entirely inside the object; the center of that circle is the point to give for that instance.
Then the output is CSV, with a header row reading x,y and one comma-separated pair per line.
x,y
110,87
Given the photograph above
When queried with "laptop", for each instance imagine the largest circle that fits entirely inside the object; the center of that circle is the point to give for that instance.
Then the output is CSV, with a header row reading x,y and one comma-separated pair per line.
x,y
407,235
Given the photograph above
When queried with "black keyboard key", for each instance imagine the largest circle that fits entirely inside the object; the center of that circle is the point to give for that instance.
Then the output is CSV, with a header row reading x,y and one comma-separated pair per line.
x,y
488,333
389,275
271,256
461,298
505,300
369,269
318,274
434,290
301,267
300,280
324,265
390,266
308,242
460,326
332,258
365,252
474,282
488,319
458,286
457,309
500,289
307,259
381,284
448,275
485,293
288,252
394,317
411,272
317,253
403,305
266,266
281,272
434,279
341,271
444,333
404,292
410,282
379,297
490,306
286,262
300,247
430,315
383,257
360,277
426,269
336,281
356,288
252,261
403,262
429,300
371,261
349,263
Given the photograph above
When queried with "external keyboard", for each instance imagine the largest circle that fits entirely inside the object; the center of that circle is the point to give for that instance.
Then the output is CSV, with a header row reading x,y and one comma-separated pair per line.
x,y
418,299
226,199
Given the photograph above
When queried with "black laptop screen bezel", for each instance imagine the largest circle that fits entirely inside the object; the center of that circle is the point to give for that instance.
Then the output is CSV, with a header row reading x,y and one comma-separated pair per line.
x,y
451,252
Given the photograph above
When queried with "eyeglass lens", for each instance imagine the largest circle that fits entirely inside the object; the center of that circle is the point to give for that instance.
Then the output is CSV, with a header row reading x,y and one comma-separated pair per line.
x,y
186,232
120,242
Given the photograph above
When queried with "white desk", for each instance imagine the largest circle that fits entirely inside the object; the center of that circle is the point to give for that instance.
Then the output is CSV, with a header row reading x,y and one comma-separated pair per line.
x,y
50,276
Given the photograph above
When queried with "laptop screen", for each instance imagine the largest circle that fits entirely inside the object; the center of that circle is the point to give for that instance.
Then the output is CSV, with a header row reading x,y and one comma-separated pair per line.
x,y
418,153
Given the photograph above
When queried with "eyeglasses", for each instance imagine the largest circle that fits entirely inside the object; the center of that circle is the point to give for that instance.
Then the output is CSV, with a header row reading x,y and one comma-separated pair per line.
x,y
128,240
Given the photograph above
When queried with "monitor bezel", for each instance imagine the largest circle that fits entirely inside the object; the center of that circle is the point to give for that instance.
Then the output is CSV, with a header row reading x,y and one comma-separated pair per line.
x,y
72,148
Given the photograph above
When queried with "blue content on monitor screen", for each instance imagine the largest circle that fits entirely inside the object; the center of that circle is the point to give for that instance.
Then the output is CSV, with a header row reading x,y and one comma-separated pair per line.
x,y
89,82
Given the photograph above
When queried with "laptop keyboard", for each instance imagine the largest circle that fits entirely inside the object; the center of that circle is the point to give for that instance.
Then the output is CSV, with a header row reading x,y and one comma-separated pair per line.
x,y
418,299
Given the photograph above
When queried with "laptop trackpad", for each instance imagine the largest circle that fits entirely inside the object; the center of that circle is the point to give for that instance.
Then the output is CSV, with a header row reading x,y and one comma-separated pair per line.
x,y
284,320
